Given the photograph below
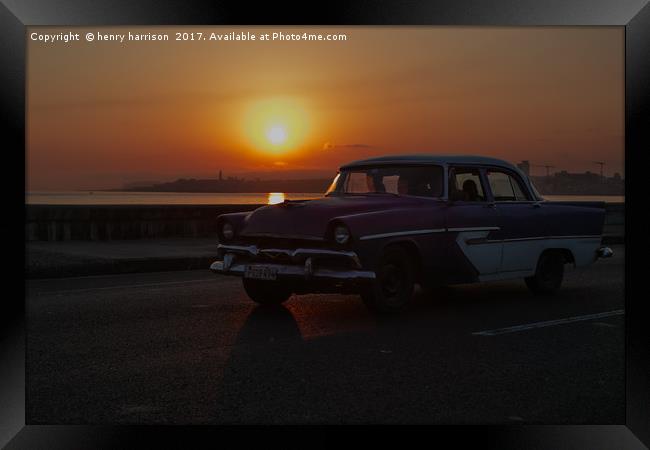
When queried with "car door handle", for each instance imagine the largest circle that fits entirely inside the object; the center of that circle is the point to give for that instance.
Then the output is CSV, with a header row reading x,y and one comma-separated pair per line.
x,y
537,205
491,205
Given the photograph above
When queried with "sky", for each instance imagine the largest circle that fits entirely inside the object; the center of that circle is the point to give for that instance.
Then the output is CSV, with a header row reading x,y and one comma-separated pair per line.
x,y
102,114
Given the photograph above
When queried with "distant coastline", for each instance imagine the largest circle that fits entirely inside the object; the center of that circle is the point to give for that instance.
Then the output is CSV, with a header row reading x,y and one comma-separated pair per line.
x,y
560,183
133,198
231,185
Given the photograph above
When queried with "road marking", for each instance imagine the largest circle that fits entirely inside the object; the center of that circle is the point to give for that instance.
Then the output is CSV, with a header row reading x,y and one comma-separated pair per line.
x,y
548,323
128,286
603,324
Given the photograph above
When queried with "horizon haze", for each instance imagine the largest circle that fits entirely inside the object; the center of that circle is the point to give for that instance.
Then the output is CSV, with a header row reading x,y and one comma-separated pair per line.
x,y
103,114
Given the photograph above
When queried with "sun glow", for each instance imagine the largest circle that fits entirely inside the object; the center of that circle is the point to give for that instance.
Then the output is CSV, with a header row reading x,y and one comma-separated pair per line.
x,y
275,198
275,126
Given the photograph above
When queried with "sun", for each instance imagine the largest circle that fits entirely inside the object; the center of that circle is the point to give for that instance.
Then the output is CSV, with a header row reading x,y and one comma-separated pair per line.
x,y
275,125
277,134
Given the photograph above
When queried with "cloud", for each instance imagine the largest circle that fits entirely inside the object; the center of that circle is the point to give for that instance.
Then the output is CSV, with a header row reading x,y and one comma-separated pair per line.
x,y
330,146
280,164
191,98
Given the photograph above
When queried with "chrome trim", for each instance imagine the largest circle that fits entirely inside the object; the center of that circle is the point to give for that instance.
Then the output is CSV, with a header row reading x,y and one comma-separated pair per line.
x,y
228,259
284,236
272,252
401,233
583,236
249,249
478,241
285,270
459,229
426,231
605,252
313,252
297,254
534,238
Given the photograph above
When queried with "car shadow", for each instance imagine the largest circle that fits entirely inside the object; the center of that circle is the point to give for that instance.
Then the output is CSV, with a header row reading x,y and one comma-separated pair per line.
x,y
257,379
267,324
421,365
343,374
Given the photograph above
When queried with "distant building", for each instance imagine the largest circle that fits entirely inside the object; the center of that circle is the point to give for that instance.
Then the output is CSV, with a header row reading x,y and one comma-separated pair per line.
x,y
586,183
524,166
220,176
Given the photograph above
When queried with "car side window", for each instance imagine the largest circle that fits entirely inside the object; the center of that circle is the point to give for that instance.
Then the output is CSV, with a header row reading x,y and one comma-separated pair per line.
x,y
505,187
465,185
358,182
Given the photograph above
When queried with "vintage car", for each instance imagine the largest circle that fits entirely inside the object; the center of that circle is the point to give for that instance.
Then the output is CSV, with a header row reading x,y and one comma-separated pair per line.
x,y
388,223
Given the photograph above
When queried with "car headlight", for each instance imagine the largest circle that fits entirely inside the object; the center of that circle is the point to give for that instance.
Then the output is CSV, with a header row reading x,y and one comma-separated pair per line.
x,y
341,234
227,231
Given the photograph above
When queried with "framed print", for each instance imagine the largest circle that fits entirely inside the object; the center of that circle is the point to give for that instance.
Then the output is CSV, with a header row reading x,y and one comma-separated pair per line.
x,y
350,214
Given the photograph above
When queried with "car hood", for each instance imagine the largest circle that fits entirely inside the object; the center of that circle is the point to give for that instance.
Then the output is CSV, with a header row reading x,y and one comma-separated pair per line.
x,y
309,219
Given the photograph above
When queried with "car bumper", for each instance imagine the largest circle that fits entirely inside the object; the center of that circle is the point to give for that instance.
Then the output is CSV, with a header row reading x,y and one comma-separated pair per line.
x,y
303,263
604,252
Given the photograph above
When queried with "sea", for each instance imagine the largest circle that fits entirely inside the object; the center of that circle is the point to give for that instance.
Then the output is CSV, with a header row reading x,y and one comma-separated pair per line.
x,y
186,198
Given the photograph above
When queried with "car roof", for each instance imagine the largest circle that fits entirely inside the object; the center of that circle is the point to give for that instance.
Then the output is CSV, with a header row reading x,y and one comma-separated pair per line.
x,y
425,159
430,159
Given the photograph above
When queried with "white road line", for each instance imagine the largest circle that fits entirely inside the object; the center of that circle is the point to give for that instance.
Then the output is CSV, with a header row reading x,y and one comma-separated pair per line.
x,y
128,286
548,323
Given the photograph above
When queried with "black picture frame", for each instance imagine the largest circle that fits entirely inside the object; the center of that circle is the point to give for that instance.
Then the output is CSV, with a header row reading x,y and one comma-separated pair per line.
x,y
16,15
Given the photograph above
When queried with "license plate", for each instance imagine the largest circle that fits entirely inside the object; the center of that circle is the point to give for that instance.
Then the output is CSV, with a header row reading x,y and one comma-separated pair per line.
x,y
261,272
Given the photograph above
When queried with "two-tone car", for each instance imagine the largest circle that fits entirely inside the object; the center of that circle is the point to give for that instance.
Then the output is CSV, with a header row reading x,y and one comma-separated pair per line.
x,y
388,223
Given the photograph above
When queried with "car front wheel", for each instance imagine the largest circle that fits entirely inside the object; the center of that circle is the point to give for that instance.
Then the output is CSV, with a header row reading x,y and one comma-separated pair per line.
x,y
548,275
393,287
266,292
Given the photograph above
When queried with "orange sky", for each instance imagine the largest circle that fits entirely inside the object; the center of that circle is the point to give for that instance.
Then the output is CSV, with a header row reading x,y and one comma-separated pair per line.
x,y
103,114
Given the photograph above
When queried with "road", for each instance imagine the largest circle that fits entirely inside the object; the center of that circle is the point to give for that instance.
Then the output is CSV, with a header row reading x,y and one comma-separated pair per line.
x,y
189,347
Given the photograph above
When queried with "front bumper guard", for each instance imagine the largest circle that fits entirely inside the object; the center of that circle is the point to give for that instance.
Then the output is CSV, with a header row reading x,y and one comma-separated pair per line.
x,y
604,252
303,263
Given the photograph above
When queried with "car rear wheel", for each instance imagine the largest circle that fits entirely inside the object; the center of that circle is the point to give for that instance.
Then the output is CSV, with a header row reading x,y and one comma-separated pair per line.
x,y
393,287
266,292
548,275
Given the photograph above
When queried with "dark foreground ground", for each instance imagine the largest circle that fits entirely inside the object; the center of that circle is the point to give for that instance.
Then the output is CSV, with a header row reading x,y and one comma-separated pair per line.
x,y
189,347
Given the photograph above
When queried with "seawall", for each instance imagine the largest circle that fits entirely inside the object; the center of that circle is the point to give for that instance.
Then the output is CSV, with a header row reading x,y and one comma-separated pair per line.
x,y
103,223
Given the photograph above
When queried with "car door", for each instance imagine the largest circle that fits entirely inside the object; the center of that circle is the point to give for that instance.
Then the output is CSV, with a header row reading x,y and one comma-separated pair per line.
x,y
471,220
521,222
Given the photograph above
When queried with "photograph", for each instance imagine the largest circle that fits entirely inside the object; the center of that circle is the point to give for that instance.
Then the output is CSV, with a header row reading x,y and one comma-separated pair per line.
x,y
325,225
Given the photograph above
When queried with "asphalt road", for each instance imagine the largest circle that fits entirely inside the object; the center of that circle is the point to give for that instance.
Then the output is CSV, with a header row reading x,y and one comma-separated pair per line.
x,y
189,347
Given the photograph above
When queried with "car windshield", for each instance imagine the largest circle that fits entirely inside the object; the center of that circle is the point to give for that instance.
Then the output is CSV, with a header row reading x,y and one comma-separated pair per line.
x,y
421,181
